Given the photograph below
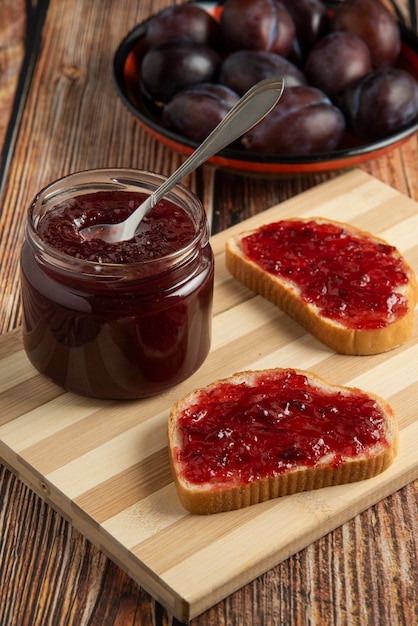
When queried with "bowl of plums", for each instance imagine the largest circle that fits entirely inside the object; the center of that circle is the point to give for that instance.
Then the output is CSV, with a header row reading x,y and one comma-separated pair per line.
x,y
350,70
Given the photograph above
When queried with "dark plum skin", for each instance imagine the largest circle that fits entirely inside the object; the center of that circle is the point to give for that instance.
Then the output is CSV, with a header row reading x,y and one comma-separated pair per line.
x,y
196,111
310,19
303,122
244,68
173,66
257,25
337,67
336,61
183,21
370,20
381,103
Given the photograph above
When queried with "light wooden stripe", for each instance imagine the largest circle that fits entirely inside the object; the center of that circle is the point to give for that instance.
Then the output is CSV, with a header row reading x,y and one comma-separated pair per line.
x,y
136,483
13,344
114,456
240,321
147,517
303,353
392,375
46,421
336,197
27,395
405,235
15,369
92,427
402,405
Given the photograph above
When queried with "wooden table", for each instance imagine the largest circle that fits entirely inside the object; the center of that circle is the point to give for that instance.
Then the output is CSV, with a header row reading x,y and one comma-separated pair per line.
x,y
60,113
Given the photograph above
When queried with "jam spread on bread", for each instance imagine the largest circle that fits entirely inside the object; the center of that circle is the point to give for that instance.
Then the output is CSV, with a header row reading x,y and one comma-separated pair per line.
x,y
352,279
166,229
241,432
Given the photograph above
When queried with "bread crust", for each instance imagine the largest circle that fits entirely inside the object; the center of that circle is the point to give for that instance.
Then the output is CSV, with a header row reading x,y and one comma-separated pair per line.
x,y
331,333
209,498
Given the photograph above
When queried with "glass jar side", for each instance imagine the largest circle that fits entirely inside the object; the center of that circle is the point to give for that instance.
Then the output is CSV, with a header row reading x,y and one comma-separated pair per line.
x,y
115,332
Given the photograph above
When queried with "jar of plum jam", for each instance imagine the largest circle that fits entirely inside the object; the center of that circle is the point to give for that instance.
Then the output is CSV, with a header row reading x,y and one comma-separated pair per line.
x,y
116,321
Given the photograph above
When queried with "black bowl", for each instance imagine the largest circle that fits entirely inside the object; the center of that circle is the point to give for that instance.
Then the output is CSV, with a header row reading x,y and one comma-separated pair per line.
x,y
126,70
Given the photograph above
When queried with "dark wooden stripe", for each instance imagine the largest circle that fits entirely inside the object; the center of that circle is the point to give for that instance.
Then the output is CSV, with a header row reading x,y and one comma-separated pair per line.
x,y
127,488
27,396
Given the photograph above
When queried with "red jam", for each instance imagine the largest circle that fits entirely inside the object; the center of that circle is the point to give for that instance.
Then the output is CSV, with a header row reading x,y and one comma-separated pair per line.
x,y
164,230
351,279
244,432
116,321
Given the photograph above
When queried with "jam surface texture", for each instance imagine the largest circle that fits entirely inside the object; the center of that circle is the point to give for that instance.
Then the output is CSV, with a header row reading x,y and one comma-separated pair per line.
x,y
351,279
243,432
166,229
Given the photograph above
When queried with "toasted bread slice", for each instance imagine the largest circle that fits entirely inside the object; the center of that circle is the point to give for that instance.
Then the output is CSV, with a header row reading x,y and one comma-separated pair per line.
x,y
262,434
351,290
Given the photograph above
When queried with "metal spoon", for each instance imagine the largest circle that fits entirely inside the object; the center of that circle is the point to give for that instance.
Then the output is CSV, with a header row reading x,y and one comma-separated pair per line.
x,y
250,109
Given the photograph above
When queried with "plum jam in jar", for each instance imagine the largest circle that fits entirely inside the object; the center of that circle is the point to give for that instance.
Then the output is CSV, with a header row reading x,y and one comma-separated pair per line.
x,y
116,321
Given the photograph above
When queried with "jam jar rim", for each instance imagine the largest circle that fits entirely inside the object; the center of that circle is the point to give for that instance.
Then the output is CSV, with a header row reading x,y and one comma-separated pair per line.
x,y
168,261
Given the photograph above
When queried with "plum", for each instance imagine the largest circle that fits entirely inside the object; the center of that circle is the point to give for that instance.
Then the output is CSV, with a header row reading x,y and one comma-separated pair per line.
x,y
310,19
196,111
381,103
244,68
175,65
185,21
337,60
260,25
372,21
304,122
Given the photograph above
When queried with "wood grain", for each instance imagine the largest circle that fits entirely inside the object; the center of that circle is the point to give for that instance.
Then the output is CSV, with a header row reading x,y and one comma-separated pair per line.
x,y
362,573
105,465
11,57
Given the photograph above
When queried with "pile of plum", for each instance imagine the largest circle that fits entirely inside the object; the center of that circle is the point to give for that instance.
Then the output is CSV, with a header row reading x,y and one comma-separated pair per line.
x,y
338,67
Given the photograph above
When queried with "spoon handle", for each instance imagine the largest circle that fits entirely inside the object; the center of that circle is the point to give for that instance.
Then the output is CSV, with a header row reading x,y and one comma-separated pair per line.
x,y
250,109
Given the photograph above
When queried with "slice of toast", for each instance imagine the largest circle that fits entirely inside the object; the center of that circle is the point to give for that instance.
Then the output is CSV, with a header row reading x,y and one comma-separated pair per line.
x,y
351,290
262,434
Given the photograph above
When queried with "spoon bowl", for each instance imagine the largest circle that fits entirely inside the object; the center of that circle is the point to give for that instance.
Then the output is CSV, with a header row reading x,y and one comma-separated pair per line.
x,y
250,109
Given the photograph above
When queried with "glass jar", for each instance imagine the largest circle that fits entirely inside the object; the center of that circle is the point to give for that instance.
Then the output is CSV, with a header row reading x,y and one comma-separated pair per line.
x,y
116,330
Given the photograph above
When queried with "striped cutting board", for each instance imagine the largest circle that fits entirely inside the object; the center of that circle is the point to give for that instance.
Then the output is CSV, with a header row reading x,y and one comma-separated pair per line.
x,y
104,465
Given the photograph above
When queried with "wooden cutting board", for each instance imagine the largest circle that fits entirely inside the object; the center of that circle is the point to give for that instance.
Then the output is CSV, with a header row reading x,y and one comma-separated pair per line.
x,y
104,465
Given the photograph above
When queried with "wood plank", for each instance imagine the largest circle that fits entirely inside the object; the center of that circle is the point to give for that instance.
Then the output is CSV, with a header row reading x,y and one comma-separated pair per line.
x,y
104,465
